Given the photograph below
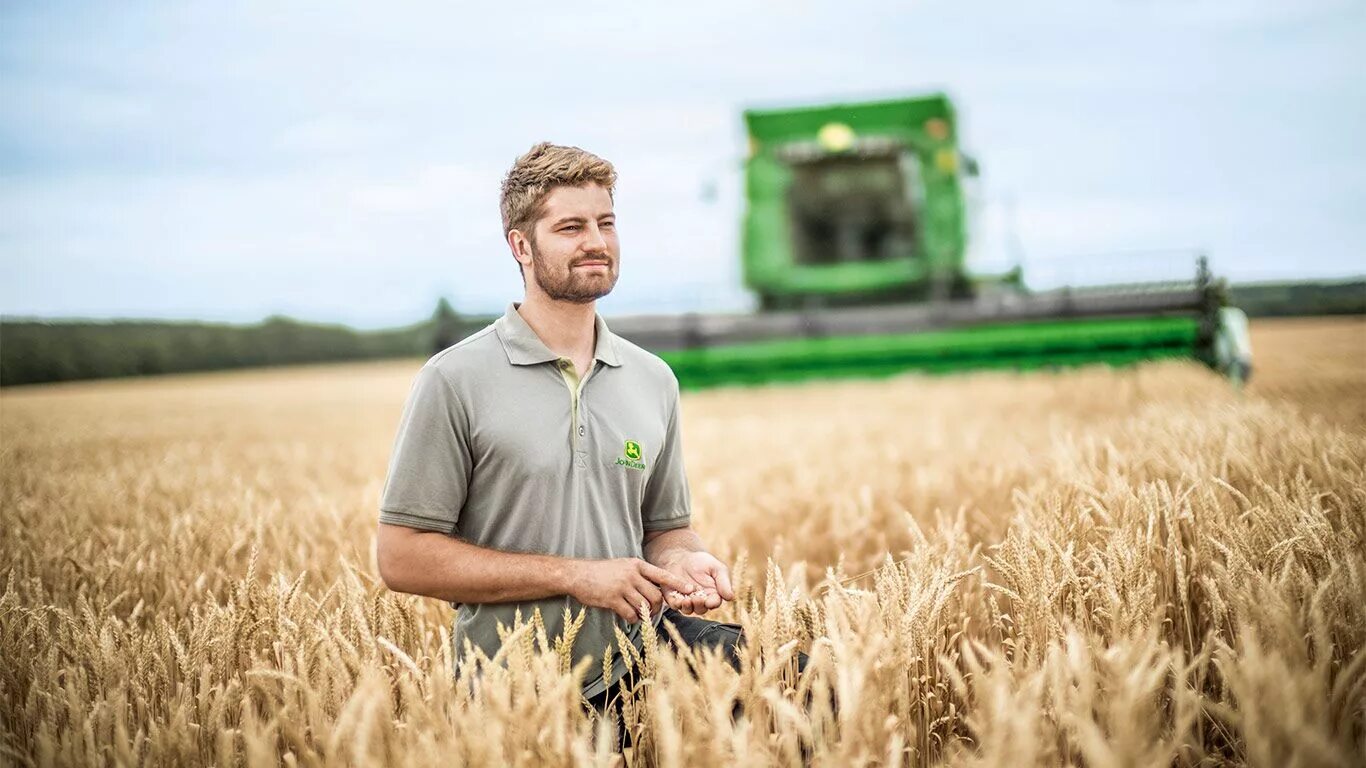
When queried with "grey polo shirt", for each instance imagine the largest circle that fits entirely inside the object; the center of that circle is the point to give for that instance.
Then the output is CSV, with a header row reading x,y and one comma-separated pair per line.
x,y
502,445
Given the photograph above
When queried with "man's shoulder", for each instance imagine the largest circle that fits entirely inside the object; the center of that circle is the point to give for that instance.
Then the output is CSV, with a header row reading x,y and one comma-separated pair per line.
x,y
473,353
648,363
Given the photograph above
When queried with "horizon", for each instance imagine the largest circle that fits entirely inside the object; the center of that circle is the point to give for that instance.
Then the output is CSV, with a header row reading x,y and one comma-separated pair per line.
x,y
493,314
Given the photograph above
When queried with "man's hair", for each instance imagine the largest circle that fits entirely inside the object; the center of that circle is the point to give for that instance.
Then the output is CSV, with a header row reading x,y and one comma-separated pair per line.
x,y
544,167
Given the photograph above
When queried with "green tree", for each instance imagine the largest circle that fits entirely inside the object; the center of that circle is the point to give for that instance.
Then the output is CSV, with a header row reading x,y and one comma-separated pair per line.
x,y
446,326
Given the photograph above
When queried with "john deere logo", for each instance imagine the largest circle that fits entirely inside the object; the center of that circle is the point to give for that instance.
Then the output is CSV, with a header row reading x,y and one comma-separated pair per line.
x,y
632,453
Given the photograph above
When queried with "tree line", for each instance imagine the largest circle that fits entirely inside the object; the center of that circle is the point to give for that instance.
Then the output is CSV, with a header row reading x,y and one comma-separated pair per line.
x,y
36,351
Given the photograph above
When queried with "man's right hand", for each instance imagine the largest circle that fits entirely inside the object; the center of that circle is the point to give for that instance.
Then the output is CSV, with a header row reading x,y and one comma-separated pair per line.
x,y
619,585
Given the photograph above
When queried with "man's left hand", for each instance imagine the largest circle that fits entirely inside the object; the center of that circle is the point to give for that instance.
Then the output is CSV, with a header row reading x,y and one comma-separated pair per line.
x,y
711,577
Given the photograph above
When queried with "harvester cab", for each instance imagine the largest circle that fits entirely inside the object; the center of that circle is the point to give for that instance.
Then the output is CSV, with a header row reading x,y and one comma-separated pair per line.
x,y
854,242
855,205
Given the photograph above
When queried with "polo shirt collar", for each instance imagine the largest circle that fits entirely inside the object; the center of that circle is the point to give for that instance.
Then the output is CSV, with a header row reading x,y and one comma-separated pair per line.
x,y
524,347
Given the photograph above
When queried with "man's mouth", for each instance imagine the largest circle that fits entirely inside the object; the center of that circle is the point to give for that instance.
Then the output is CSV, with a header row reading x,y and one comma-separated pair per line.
x,y
592,264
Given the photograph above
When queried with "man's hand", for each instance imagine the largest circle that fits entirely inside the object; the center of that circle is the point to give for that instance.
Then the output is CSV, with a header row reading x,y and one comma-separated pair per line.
x,y
711,576
621,584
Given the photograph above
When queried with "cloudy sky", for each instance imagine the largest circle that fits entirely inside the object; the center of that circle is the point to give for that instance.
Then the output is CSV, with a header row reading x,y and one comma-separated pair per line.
x,y
336,162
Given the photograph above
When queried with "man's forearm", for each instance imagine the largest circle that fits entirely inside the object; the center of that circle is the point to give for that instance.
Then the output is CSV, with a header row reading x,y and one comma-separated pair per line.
x,y
662,548
448,568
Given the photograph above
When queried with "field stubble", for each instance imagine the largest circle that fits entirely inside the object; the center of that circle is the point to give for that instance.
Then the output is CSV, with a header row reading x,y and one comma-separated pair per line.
x,y
1103,567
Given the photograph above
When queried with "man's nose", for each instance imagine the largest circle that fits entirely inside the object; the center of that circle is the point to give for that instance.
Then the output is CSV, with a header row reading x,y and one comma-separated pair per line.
x,y
595,243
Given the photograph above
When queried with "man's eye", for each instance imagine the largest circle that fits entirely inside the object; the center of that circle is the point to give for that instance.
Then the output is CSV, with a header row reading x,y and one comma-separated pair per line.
x,y
570,228
608,224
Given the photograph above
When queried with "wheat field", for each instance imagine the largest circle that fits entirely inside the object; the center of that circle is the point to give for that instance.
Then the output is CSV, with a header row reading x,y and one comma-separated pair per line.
x,y
1137,567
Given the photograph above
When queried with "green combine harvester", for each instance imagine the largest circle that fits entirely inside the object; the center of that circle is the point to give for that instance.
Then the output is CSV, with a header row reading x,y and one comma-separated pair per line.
x,y
854,243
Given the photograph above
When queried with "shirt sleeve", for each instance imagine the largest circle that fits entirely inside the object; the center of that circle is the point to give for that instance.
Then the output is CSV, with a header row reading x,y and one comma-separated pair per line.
x,y
666,502
430,467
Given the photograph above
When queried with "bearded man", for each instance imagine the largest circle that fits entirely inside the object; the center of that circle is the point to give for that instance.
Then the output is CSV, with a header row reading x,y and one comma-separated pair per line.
x,y
539,462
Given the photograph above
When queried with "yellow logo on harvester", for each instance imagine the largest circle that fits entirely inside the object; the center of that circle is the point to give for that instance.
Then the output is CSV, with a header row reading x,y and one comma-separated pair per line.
x,y
632,456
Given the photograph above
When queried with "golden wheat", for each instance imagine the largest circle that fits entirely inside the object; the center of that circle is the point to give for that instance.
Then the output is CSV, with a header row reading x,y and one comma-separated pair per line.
x,y
1137,567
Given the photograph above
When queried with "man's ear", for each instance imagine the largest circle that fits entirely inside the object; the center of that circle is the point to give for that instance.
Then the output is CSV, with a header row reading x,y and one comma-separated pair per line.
x,y
521,248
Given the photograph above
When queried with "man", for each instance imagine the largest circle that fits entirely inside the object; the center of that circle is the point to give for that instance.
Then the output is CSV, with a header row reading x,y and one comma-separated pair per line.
x,y
538,462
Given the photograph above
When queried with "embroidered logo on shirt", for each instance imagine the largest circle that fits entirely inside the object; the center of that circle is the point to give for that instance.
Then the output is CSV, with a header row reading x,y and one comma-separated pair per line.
x,y
632,454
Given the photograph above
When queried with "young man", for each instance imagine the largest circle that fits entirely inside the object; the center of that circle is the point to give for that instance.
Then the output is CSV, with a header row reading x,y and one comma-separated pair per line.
x,y
539,463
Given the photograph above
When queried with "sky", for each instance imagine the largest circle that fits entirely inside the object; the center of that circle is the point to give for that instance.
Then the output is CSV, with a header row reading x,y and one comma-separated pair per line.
x,y
341,163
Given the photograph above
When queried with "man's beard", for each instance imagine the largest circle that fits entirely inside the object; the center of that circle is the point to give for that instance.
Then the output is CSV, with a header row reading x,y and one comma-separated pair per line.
x,y
571,286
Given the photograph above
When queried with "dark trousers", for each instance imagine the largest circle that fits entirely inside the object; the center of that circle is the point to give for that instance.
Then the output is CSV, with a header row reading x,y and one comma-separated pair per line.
x,y
696,632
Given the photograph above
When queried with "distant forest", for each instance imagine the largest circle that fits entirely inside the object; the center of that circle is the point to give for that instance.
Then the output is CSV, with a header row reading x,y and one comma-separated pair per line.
x,y
1341,297
36,351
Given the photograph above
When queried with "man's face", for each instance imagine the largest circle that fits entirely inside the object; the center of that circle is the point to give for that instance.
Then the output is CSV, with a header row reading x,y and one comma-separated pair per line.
x,y
576,254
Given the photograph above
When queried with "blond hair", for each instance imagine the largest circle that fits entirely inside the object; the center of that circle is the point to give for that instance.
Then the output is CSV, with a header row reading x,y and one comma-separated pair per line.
x,y
544,167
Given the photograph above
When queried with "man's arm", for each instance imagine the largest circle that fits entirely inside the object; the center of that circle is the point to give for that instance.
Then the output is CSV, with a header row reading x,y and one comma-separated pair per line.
x,y
437,565
680,552
666,512
664,547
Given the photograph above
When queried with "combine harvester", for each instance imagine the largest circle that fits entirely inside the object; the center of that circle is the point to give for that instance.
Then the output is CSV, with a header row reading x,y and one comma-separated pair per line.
x,y
854,243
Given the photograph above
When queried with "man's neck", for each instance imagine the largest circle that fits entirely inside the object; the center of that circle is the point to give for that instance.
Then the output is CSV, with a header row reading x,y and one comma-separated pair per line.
x,y
567,328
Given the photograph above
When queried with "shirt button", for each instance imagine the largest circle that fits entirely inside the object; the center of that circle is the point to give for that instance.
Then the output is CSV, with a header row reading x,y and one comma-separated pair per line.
x,y
580,430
